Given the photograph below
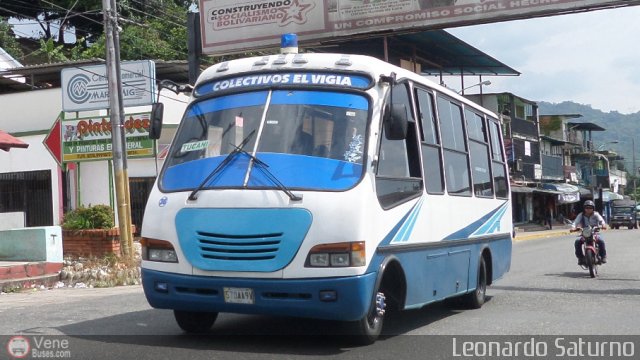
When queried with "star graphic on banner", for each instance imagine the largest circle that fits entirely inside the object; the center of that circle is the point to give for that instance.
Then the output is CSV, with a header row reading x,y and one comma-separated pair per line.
x,y
295,13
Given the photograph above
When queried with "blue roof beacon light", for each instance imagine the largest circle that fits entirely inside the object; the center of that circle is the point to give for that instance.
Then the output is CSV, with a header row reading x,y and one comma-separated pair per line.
x,y
289,44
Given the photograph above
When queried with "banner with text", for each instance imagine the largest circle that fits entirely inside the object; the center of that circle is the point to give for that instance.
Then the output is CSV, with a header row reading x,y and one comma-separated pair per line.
x,y
86,139
231,26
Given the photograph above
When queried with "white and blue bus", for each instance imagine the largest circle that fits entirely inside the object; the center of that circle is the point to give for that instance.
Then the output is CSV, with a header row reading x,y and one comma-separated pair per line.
x,y
325,186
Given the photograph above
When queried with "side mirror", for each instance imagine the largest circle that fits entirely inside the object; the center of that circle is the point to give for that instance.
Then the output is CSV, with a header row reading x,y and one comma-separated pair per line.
x,y
396,122
157,111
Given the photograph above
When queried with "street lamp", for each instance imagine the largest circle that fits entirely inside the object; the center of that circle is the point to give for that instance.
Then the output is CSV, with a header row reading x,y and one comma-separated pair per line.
x,y
486,82
601,147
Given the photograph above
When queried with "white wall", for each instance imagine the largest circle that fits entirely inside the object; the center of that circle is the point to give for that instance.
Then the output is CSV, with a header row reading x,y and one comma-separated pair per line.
x,y
35,157
29,110
36,111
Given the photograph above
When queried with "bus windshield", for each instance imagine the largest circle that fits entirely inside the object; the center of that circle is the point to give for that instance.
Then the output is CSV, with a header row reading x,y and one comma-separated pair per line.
x,y
308,140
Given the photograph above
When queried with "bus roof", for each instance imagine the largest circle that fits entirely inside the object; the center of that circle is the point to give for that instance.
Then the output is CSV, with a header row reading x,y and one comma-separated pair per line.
x,y
323,62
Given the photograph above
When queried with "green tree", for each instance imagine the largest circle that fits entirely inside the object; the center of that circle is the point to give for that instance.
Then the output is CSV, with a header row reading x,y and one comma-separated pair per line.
x,y
8,40
151,29
158,31
52,51
56,18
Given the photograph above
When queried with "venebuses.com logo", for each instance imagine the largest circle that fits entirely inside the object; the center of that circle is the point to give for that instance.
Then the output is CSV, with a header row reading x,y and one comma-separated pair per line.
x,y
19,347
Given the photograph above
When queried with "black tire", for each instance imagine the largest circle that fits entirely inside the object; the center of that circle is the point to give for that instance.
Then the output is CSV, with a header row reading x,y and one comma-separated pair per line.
x,y
195,322
476,298
367,330
590,262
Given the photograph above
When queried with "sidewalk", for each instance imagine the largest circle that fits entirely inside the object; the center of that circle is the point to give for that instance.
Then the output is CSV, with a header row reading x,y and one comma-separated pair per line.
x,y
18,275
536,231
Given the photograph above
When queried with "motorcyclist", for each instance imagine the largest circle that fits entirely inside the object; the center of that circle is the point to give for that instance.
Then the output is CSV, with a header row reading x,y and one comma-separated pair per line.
x,y
589,217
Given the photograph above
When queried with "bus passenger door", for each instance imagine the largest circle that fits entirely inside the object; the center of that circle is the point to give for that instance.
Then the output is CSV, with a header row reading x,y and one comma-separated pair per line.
x,y
398,173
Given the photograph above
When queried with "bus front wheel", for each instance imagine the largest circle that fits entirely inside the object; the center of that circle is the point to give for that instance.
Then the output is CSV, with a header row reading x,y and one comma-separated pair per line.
x,y
195,322
368,329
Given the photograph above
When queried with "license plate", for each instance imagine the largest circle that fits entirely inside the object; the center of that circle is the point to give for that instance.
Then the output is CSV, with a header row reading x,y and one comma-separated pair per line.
x,y
239,296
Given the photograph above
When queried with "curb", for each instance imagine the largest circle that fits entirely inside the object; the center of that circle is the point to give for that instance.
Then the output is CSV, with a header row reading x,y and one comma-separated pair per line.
x,y
47,281
542,234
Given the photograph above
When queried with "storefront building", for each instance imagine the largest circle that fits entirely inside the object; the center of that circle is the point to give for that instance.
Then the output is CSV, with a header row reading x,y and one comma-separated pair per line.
x,y
33,184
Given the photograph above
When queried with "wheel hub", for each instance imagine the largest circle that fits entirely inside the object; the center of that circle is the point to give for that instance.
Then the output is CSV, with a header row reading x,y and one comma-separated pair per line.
x,y
380,304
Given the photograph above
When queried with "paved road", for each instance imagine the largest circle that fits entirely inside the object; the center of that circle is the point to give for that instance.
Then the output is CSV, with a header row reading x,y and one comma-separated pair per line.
x,y
545,293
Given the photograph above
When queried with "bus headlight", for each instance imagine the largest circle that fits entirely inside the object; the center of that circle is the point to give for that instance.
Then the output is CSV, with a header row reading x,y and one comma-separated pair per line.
x,y
337,255
158,250
165,255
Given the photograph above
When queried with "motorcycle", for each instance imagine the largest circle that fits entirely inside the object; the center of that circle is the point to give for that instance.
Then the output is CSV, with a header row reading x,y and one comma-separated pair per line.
x,y
590,249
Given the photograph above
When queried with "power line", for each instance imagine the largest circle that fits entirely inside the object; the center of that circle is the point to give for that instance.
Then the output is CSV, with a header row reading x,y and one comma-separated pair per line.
x,y
151,15
49,21
158,9
82,16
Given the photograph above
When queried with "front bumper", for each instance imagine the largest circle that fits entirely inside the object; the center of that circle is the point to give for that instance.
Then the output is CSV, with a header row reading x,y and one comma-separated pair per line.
x,y
285,297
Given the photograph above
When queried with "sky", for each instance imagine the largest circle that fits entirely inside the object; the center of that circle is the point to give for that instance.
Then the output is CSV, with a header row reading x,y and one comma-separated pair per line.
x,y
589,58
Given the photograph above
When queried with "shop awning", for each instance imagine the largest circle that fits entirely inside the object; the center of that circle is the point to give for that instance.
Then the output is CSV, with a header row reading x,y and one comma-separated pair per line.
x,y
566,193
609,195
7,142
521,189
585,193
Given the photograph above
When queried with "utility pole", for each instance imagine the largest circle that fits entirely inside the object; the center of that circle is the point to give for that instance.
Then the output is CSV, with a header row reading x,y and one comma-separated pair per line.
x,y
116,112
635,169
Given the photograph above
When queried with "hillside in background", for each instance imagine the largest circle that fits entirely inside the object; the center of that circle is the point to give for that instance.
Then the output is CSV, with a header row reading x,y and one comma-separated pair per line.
x,y
619,127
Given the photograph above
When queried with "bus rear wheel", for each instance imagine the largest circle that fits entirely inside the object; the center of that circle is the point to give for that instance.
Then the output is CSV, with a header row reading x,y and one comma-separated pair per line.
x,y
195,322
476,298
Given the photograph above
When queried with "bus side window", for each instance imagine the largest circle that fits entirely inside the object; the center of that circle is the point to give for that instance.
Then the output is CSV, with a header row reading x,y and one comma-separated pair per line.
x,y
498,161
398,176
456,157
431,149
479,153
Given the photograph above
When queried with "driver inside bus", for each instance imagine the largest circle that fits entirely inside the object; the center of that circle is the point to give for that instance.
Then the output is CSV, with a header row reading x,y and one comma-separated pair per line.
x,y
589,217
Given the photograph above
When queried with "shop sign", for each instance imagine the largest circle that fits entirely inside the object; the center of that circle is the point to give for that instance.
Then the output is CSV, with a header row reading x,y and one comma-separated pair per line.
x,y
86,139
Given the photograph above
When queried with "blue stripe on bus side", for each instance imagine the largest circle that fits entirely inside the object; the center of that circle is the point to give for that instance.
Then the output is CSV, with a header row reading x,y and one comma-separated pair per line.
x,y
407,227
491,220
472,228
391,235
493,224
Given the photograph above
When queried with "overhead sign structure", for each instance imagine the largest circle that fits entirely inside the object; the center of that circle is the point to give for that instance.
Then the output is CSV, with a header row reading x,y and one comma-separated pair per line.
x,y
88,139
231,26
86,88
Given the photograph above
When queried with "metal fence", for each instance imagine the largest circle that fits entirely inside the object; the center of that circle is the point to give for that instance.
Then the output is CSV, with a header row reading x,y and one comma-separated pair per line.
x,y
29,192
139,189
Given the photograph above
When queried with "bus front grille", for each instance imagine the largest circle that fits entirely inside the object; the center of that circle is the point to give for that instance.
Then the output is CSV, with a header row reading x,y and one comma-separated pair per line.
x,y
250,240
239,247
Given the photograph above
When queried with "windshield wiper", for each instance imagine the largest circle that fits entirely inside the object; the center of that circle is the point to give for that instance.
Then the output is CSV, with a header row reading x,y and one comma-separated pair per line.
x,y
238,149
264,168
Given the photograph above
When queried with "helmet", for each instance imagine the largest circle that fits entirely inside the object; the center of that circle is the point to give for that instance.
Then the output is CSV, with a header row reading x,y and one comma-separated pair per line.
x,y
588,203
